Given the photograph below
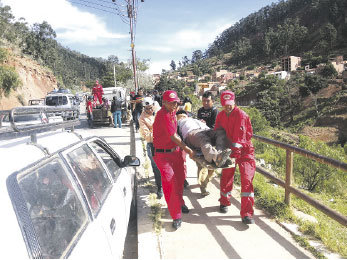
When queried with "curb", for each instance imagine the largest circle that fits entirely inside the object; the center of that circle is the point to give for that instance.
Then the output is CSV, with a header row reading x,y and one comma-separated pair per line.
x,y
148,242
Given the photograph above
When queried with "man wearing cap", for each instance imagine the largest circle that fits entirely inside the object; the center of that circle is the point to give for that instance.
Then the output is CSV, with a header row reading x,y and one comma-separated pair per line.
x,y
239,131
146,131
168,156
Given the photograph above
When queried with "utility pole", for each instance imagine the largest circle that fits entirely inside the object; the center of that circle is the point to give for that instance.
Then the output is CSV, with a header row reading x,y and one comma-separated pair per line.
x,y
114,75
131,15
132,45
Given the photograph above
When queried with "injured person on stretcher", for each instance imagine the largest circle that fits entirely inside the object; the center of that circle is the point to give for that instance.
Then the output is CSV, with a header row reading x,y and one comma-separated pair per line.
x,y
212,143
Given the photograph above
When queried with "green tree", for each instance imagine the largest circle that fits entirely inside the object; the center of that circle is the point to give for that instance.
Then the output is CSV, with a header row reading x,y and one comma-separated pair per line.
x,y
9,80
197,56
173,65
328,71
329,34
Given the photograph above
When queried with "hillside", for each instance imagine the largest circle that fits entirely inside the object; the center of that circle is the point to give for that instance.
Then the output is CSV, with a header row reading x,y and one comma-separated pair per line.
x,y
36,82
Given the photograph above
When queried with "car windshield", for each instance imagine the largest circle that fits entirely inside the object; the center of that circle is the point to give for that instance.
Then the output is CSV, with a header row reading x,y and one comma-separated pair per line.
x,y
56,100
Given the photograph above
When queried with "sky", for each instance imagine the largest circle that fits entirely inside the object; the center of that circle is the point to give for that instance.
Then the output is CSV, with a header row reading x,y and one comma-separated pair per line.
x,y
165,29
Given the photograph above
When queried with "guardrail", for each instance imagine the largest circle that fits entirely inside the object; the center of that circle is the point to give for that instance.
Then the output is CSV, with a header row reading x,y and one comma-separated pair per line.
x,y
290,150
16,129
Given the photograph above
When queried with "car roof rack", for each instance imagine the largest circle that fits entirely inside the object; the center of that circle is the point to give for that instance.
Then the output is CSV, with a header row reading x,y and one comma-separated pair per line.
x,y
14,130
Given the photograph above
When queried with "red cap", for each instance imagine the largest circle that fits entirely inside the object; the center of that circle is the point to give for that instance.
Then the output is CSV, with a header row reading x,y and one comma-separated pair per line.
x,y
132,92
170,96
227,98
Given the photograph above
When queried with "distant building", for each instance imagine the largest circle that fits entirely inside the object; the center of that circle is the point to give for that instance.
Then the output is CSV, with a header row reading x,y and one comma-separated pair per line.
x,y
280,74
290,63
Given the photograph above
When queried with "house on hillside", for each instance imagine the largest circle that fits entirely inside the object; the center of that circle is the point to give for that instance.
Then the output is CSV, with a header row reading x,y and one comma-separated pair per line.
x,y
280,74
338,64
217,76
290,63
156,78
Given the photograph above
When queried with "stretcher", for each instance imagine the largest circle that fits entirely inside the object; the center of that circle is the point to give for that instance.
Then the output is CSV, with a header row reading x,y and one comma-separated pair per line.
x,y
200,159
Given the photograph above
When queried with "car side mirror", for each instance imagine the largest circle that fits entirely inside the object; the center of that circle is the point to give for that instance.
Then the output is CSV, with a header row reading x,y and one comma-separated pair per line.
x,y
131,161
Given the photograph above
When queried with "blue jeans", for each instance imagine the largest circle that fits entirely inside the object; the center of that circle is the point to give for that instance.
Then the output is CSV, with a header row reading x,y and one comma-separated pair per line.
x,y
156,171
117,118
137,115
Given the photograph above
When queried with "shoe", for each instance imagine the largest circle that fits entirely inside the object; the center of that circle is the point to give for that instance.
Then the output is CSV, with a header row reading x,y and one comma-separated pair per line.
x,y
184,209
222,157
248,220
159,194
205,193
176,224
228,163
223,209
186,184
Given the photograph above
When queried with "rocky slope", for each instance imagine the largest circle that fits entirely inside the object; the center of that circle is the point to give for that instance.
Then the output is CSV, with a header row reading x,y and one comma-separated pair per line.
x,y
37,82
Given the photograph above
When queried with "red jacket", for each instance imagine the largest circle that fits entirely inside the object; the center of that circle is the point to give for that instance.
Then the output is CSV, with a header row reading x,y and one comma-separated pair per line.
x,y
239,131
97,89
89,106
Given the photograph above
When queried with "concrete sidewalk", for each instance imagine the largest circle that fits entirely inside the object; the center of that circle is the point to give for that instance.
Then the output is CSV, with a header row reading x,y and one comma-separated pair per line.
x,y
206,233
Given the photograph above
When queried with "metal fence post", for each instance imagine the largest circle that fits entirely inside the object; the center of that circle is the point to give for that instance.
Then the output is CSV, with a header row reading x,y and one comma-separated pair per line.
x,y
289,173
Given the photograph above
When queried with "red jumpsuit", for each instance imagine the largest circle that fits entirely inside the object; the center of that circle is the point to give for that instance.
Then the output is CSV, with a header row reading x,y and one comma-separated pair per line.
x,y
97,92
239,132
169,160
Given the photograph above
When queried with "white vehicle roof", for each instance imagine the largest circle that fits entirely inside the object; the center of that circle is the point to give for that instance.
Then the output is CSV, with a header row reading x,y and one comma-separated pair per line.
x,y
16,155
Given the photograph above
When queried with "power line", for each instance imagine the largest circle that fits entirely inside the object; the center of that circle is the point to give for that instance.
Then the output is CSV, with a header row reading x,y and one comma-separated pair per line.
x,y
93,7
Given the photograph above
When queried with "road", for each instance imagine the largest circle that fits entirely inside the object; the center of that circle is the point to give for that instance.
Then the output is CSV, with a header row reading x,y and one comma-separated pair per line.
x,y
205,233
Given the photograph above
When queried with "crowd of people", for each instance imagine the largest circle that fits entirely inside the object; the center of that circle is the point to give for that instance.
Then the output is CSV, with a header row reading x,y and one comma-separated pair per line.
x,y
167,125
224,139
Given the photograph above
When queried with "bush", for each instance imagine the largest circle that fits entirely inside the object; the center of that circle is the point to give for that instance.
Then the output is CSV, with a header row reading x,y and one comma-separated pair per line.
x,y
328,71
9,80
3,55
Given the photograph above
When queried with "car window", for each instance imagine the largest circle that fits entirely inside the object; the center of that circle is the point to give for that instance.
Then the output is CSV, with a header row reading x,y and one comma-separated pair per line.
x,y
56,100
91,175
54,208
105,155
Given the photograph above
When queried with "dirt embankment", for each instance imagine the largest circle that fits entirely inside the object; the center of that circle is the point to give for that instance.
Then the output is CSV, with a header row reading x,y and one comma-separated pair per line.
x,y
37,82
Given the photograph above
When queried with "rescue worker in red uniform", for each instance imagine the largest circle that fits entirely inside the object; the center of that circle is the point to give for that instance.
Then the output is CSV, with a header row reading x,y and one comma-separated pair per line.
x,y
97,92
238,128
168,156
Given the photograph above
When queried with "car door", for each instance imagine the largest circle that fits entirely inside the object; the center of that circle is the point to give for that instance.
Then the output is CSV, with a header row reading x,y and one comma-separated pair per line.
x,y
104,199
122,183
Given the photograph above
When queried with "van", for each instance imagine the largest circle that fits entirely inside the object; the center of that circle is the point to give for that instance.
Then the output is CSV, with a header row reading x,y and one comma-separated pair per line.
x,y
63,195
64,100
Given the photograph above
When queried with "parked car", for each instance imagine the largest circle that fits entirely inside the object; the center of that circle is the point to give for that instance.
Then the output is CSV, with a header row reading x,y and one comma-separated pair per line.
x,y
28,116
36,102
64,100
64,196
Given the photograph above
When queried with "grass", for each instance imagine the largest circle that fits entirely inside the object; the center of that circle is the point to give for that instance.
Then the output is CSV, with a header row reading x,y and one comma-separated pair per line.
x,y
156,211
332,234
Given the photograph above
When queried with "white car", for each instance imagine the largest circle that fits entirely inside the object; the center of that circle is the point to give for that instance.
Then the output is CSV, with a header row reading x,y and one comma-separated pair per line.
x,y
25,116
64,100
64,196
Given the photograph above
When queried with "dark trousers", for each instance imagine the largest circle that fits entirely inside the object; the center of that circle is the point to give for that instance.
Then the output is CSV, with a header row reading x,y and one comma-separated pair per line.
x,y
157,176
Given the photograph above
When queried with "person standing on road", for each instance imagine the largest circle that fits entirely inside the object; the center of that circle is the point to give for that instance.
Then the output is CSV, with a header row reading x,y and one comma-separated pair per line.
x,y
206,114
146,131
89,108
168,156
238,128
97,92
116,110
138,108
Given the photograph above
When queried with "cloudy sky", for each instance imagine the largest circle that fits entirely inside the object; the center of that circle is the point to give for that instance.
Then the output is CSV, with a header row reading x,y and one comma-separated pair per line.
x,y
165,30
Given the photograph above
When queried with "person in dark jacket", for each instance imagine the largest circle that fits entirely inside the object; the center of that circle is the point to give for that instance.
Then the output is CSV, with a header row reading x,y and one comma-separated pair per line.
x,y
116,110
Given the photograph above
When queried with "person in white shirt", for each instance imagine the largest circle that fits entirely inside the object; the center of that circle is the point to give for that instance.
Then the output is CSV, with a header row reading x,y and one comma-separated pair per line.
x,y
198,135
